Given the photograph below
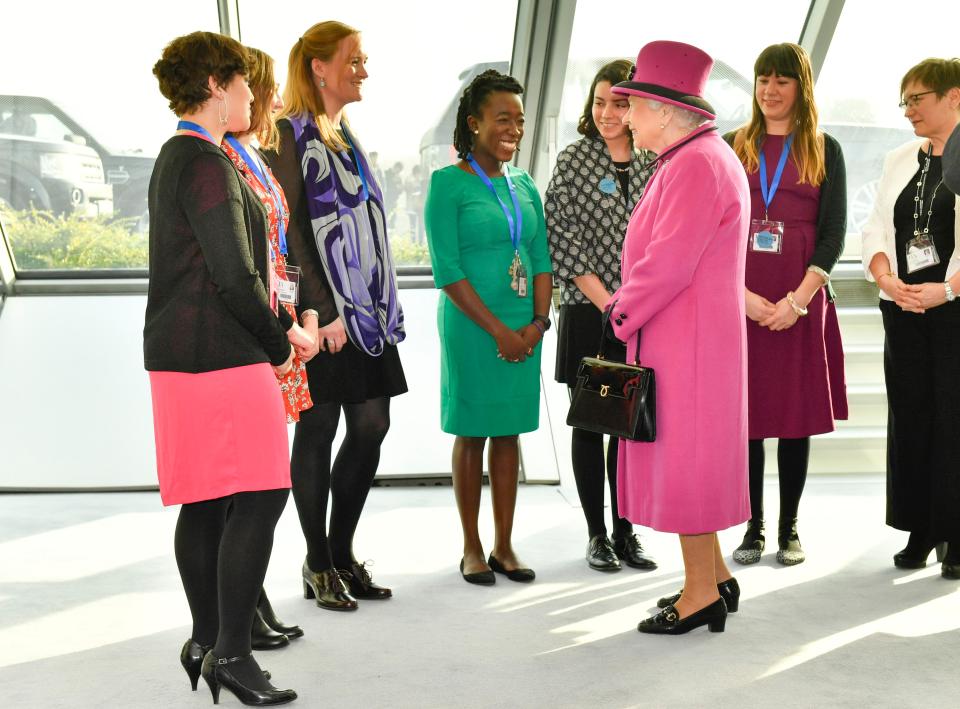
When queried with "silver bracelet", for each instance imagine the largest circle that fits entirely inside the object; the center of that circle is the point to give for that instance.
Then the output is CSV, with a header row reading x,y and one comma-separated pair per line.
x,y
820,272
312,312
948,291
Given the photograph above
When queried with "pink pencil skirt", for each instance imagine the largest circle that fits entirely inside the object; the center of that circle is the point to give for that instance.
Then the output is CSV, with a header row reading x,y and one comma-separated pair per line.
x,y
218,433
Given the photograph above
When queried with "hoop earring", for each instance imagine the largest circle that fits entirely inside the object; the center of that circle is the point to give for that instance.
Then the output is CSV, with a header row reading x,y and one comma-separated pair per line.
x,y
321,82
223,111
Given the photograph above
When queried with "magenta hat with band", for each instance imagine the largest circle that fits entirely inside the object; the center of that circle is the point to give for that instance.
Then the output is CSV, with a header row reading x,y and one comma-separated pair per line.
x,y
671,72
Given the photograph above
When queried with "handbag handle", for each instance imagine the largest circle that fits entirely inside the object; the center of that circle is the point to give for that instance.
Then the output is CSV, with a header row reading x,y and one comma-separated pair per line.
x,y
603,336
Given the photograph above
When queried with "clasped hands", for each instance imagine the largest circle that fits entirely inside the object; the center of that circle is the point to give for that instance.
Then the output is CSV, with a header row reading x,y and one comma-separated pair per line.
x,y
775,316
304,342
912,298
517,345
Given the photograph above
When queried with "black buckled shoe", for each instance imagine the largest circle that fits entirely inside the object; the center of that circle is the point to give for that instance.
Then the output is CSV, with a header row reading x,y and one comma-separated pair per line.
x,y
669,622
361,585
752,545
600,554
270,618
519,575
729,592
327,587
216,672
789,551
629,550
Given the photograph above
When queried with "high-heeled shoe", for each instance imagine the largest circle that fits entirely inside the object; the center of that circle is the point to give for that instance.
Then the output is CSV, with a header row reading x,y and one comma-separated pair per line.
x,y
520,575
361,585
270,618
191,657
729,592
949,553
216,673
789,551
753,543
914,555
669,622
263,637
327,588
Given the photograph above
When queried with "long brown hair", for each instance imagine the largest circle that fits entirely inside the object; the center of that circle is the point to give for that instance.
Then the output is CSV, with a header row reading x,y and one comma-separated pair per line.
x,y
300,94
807,151
263,84
613,73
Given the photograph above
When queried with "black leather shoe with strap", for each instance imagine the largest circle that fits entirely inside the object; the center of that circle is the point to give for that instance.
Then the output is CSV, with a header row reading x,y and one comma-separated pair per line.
x,y
669,622
729,592
217,672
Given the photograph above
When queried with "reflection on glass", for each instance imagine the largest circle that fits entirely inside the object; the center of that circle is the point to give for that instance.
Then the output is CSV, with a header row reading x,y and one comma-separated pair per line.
x,y
79,131
421,57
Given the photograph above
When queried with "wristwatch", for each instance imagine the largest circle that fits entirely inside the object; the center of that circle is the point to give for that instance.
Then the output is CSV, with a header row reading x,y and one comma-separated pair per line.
x,y
949,291
544,319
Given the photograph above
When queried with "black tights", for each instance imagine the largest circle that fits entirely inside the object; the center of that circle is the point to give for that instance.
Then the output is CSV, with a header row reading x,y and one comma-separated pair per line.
x,y
793,456
222,548
348,481
588,469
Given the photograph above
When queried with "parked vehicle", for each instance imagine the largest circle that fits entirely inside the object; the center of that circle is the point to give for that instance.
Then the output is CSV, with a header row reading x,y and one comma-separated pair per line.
x,y
127,173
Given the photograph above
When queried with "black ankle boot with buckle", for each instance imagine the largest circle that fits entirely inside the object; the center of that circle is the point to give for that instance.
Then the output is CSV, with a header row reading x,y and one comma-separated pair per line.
x,y
752,545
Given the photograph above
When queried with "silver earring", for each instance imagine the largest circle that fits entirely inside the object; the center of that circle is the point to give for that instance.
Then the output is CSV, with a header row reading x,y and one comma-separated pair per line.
x,y
322,82
662,126
223,113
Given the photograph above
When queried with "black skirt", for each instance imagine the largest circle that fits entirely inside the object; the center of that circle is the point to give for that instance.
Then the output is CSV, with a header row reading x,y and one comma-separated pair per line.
x,y
351,376
578,336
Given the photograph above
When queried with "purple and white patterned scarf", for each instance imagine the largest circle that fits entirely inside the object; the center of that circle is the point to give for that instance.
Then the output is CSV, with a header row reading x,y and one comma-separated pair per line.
x,y
351,236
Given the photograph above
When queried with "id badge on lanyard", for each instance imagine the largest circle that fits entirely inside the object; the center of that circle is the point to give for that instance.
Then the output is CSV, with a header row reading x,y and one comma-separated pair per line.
x,y
766,235
289,286
921,253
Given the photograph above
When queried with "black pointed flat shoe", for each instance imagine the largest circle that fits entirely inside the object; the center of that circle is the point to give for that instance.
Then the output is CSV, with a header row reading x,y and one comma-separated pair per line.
x,y
669,622
729,592
270,618
600,554
520,575
263,637
481,578
629,550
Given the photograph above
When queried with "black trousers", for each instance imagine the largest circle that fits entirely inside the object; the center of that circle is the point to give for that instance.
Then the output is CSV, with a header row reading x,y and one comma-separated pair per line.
x,y
921,363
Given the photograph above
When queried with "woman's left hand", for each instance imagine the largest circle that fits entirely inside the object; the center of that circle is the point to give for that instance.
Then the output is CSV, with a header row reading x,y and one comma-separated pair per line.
x,y
783,317
531,336
930,295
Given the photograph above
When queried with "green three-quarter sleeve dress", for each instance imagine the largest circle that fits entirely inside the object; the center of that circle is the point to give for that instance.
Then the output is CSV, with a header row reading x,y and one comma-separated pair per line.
x,y
481,395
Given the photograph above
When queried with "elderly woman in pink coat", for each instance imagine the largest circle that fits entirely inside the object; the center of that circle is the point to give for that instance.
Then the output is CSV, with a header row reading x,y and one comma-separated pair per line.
x,y
683,282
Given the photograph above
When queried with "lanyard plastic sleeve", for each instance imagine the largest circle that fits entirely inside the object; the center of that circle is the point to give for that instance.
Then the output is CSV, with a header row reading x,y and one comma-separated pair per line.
x,y
769,192
259,172
515,222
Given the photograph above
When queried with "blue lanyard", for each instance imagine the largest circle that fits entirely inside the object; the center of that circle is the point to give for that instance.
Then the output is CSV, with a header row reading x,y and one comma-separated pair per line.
x,y
259,172
515,222
768,193
196,129
356,161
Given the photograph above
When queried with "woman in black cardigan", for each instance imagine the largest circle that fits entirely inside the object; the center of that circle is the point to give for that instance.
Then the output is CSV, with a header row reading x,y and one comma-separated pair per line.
x,y
212,331
795,356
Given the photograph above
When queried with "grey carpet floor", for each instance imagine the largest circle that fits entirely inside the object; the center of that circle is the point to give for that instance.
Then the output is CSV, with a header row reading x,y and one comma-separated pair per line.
x,y
92,613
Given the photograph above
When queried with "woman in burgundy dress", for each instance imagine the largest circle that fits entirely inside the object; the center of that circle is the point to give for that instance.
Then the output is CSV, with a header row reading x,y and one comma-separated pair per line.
x,y
798,221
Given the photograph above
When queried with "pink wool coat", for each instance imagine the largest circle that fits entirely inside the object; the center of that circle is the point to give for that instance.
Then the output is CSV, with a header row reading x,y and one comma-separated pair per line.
x,y
683,284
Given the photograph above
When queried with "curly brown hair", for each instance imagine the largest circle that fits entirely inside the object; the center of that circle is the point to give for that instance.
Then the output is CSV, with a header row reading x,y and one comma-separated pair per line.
x,y
613,73
188,61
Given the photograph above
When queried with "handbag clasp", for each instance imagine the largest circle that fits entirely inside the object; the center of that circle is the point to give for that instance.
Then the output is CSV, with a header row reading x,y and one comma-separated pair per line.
x,y
604,389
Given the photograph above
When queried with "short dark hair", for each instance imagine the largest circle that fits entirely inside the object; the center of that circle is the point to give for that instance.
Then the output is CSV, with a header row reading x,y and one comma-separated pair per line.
x,y
188,61
471,103
616,71
938,75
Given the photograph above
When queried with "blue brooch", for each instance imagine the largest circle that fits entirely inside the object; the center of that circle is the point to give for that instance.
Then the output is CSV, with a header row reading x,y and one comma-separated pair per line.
x,y
608,186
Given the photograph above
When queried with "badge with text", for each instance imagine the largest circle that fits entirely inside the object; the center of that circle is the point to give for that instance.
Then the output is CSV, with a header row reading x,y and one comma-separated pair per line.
x,y
766,236
921,253
288,287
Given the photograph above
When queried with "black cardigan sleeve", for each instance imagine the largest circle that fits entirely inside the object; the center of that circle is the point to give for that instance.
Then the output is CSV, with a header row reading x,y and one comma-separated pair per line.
x,y
832,215
315,291
210,195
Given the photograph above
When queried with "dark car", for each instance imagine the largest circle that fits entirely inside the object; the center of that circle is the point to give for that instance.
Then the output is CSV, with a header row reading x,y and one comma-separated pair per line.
x,y
43,165
128,174
730,93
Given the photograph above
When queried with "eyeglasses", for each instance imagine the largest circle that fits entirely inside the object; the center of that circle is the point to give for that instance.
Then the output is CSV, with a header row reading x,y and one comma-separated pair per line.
x,y
914,99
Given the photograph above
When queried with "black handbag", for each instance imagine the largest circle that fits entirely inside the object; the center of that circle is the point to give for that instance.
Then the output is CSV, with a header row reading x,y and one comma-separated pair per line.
x,y
615,398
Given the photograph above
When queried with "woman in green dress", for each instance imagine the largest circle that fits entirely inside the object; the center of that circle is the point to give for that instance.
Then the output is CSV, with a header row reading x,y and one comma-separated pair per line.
x,y
488,247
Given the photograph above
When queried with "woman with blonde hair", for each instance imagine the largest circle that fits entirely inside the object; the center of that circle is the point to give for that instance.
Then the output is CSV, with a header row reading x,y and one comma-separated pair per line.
x,y
798,215
348,298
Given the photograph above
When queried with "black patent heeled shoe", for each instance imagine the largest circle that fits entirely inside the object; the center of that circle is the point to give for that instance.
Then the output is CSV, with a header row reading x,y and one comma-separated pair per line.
x,y
191,657
361,585
216,673
669,622
270,618
729,592
328,589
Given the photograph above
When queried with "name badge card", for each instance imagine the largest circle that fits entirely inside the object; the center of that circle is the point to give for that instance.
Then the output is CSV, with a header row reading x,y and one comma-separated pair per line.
x,y
766,236
288,287
921,253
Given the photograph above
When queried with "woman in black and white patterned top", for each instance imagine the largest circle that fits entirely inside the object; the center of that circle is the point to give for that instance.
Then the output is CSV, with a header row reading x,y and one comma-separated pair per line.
x,y
595,185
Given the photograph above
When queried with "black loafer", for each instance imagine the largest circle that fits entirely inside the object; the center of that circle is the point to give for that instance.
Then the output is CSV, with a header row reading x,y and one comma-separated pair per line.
x,y
481,578
729,592
361,585
600,554
669,622
520,575
631,552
